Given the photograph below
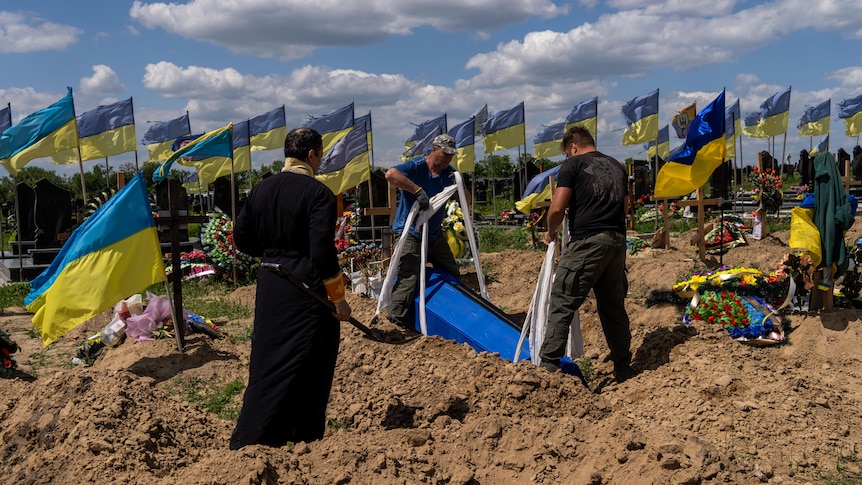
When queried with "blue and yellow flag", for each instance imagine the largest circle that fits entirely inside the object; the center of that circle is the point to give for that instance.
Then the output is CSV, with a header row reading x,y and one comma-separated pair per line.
x,y
332,126
160,137
586,114
772,117
660,146
505,129
465,141
347,164
41,134
703,151
211,168
267,131
538,190
546,144
103,132
216,143
420,141
110,256
641,116
850,110
5,117
682,120
821,147
732,128
815,120
367,121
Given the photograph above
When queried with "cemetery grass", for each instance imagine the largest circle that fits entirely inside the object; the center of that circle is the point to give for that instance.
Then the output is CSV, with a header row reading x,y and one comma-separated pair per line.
x,y
702,408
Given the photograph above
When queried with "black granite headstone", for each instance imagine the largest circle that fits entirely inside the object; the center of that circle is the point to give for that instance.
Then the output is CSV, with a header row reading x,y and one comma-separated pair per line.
x,y
53,213
26,211
221,195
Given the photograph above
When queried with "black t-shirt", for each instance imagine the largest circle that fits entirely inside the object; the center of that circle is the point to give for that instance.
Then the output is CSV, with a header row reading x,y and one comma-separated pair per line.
x,y
599,186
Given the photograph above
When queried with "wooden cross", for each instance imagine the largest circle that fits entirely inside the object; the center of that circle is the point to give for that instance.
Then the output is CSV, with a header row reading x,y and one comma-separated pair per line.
x,y
173,222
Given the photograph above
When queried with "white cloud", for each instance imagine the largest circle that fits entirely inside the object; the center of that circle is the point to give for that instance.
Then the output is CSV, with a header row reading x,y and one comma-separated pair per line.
x,y
849,77
289,29
19,33
103,81
635,42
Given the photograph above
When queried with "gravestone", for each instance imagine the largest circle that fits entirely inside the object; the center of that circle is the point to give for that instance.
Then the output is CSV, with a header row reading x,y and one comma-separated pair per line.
x,y
26,209
221,196
52,213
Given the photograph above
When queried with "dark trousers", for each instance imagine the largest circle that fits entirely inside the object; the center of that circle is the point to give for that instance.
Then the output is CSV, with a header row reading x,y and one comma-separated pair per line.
x,y
404,291
598,263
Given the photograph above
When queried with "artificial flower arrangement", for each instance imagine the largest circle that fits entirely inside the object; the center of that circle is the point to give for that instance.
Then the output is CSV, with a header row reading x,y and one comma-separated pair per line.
x,y
727,233
194,264
734,298
650,214
456,231
767,188
748,319
217,241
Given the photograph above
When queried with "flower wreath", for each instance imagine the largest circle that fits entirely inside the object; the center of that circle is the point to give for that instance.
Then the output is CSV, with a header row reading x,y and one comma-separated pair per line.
x,y
746,319
217,241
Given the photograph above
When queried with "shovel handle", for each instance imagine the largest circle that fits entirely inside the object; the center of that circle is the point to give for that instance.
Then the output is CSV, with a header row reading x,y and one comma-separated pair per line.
x,y
277,268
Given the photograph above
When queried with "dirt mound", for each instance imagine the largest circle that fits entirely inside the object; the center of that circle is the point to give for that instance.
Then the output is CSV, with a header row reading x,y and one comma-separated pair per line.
x,y
702,409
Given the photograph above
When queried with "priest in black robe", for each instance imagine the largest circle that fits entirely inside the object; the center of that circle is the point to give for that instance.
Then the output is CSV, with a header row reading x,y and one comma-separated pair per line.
x,y
290,219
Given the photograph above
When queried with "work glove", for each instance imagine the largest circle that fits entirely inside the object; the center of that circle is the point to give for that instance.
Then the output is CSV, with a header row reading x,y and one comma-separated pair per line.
x,y
422,198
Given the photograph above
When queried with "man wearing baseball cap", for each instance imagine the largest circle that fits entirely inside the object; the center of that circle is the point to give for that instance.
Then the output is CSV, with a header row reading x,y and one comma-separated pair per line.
x,y
420,179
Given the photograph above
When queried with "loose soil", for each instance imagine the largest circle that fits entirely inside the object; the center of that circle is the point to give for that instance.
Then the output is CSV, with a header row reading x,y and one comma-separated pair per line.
x,y
703,408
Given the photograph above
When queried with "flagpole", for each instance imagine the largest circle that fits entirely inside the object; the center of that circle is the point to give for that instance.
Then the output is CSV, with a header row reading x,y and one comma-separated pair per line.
x,y
493,186
233,212
18,230
107,169
83,185
783,150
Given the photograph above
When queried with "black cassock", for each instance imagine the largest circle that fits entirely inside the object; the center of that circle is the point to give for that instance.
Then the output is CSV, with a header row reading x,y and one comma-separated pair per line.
x,y
289,219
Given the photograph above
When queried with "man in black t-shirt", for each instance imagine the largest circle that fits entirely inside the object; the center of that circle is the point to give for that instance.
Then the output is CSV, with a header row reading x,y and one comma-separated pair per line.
x,y
592,186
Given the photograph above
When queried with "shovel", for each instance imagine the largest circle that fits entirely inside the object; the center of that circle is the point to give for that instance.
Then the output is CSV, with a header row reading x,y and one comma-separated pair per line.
x,y
375,335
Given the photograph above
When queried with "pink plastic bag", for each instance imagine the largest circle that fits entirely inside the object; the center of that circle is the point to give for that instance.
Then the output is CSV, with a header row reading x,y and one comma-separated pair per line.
x,y
141,327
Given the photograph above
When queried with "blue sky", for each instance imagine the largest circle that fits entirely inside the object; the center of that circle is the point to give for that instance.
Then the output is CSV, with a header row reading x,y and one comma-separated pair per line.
x,y
407,61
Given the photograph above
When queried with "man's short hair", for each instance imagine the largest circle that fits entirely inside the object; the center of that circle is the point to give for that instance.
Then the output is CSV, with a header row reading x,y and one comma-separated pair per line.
x,y
578,135
299,141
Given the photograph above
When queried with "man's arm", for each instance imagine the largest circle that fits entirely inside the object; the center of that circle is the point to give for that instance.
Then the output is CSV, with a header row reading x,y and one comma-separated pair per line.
x,y
557,210
398,179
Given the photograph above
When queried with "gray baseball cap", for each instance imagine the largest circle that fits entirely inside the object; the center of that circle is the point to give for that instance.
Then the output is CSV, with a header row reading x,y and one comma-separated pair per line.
x,y
446,143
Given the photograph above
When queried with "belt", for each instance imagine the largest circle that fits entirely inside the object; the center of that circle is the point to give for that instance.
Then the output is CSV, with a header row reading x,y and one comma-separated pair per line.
x,y
611,233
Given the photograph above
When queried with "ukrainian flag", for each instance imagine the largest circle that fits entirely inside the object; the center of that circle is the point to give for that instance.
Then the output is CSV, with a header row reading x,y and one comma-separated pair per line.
x,y
5,118
586,114
332,126
772,118
816,119
41,134
465,141
111,255
538,190
641,116
216,143
660,144
211,168
505,129
160,137
732,127
266,131
347,164
850,110
546,144
367,121
103,132
422,136
821,147
703,151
